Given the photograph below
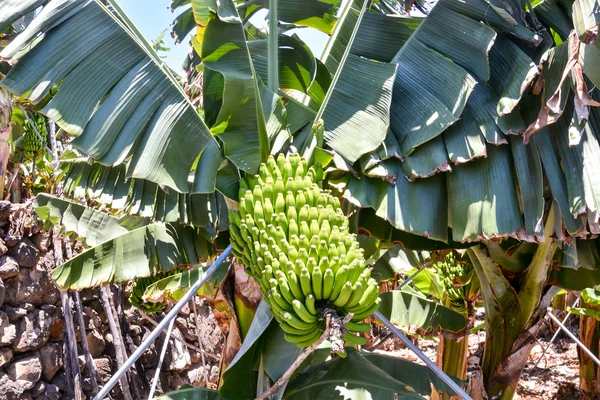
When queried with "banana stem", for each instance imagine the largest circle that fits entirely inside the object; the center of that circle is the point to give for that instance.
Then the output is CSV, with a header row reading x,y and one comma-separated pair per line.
x,y
288,374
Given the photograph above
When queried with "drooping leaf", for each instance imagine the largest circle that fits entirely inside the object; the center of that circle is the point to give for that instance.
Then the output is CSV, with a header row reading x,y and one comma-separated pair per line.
x,y
406,310
240,123
105,77
134,254
96,227
14,9
361,98
188,392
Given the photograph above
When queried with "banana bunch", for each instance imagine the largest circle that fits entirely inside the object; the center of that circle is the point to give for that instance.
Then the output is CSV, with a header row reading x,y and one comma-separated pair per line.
x,y
293,238
136,298
450,272
31,141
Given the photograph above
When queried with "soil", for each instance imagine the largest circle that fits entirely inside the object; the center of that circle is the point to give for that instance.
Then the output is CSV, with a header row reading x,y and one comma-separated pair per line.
x,y
555,377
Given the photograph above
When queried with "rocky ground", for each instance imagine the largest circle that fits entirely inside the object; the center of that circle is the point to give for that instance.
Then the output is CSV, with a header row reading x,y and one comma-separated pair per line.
x,y
555,377
32,326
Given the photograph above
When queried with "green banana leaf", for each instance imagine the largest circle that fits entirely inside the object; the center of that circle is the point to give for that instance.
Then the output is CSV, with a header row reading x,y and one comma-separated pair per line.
x,y
407,310
397,260
124,248
96,227
113,96
188,392
109,188
365,375
176,285
16,9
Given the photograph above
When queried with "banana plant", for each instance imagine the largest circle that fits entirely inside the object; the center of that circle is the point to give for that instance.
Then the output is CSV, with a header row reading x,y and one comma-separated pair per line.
x,y
473,127
454,283
589,324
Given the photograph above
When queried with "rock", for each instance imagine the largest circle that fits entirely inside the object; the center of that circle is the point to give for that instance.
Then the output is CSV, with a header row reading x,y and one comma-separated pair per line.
x,y
57,330
91,318
51,392
26,371
103,367
177,357
186,330
135,330
52,360
3,248
8,331
5,207
195,375
9,389
81,363
41,240
5,356
213,377
49,308
175,380
185,311
149,358
25,253
109,349
8,267
15,313
1,292
32,285
38,389
60,381
33,331
96,343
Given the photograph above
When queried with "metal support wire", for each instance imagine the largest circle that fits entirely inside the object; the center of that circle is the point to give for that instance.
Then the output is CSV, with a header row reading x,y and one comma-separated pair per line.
x,y
441,374
569,334
410,278
163,324
564,321
160,360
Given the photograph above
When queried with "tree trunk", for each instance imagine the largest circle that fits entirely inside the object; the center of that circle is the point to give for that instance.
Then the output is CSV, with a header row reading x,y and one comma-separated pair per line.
x,y
452,357
589,334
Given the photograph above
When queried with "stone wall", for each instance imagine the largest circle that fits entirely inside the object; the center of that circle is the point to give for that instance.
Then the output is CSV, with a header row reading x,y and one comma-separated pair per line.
x,y
32,326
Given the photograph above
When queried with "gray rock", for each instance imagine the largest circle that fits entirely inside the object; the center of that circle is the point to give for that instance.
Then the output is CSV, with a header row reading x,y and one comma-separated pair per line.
x,y
5,356
51,392
15,313
213,377
9,389
3,248
96,343
41,241
25,253
195,374
1,292
103,367
32,285
26,371
38,389
8,267
51,358
60,380
49,308
178,357
135,330
8,331
91,318
5,207
33,331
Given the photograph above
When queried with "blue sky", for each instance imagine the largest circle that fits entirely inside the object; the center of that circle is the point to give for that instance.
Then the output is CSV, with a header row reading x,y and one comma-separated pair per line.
x,y
153,16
